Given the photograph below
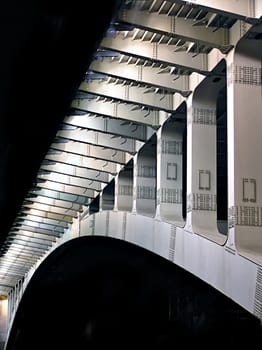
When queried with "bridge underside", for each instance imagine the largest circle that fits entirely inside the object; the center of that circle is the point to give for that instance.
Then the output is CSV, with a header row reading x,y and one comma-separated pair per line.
x,y
158,146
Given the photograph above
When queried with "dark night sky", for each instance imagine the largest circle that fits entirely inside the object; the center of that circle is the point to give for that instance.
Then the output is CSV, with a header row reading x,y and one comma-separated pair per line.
x,y
46,47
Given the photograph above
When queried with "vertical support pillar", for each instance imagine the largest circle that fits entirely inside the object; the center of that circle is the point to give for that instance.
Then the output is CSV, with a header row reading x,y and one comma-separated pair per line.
x,y
108,196
170,171
124,188
202,155
15,297
3,318
145,179
116,200
95,205
10,306
244,148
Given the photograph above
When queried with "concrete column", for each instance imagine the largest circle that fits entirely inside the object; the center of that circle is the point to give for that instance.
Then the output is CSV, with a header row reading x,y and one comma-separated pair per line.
x,y
244,147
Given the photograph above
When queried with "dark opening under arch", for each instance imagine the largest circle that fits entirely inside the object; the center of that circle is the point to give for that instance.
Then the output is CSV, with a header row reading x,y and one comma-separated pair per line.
x,y
95,291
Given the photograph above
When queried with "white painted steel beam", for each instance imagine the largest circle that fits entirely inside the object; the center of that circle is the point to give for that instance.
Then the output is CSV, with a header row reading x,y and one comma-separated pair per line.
x,y
53,203
36,220
92,151
60,195
106,124
81,173
41,222
140,95
42,231
8,280
97,138
24,253
72,181
148,75
34,235
26,256
114,109
244,9
179,27
34,239
9,269
30,244
50,208
92,186
16,264
67,189
83,162
11,274
47,214
155,52
43,214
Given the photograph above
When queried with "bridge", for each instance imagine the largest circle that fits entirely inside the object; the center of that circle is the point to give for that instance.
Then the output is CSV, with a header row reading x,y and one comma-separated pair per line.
x,y
160,148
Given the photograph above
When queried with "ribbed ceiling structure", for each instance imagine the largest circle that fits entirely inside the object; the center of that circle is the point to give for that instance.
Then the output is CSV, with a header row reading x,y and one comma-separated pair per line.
x,y
137,78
